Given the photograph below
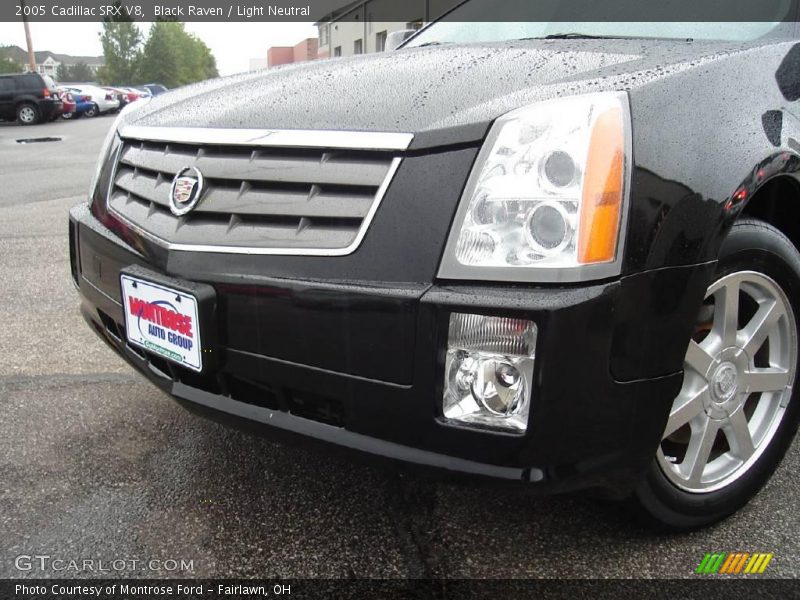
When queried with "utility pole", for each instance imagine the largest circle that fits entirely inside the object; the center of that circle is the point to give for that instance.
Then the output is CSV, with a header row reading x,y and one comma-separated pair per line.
x,y
31,55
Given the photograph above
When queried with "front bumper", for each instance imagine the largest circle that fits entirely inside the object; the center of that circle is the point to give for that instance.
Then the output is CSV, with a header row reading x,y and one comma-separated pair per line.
x,y
360,365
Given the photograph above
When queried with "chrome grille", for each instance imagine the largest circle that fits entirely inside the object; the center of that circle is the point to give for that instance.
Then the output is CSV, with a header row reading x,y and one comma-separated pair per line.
x,y
257,199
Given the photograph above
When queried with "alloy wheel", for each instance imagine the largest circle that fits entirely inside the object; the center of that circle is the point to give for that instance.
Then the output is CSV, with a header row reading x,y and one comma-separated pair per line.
x,y
27,114
739,370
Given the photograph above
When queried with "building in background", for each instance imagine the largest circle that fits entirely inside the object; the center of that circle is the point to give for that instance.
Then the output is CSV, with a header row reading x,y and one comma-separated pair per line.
x,y
301,52
47,63
347,38
353,29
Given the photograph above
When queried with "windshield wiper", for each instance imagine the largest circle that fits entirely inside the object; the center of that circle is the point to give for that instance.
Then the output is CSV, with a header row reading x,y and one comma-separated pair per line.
x,y
576,35
430,44
581,36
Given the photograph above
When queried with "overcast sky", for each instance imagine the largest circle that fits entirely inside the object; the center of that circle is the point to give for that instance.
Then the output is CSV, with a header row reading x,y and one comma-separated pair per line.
x,y
233,44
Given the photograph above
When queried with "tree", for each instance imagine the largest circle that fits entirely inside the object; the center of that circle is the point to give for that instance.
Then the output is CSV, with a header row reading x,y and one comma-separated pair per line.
x,y
62,73
174,57
160,60
79,72
122,42
8,64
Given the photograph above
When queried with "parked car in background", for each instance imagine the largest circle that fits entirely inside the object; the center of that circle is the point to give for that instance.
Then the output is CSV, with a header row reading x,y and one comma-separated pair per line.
x,y
140,91
155,89
83,104
134,94
126,95
69,106
103,101
28,98
119,94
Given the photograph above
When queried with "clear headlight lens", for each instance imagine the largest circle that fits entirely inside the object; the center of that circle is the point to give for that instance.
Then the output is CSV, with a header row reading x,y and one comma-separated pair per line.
x,y
546,199
103,157
489,372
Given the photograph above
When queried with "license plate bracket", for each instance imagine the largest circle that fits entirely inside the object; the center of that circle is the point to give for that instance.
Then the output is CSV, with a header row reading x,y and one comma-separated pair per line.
x,y
171,318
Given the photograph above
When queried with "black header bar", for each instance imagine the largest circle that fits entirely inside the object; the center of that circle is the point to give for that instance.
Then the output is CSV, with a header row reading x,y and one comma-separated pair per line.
x,y
407,11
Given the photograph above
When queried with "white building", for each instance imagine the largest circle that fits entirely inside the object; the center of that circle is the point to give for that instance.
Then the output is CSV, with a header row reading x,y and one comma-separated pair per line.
x,y
354,28
47,62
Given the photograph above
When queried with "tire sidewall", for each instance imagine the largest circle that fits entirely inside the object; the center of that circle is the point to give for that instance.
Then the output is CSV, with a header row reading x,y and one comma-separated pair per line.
x,y
35,114
751,246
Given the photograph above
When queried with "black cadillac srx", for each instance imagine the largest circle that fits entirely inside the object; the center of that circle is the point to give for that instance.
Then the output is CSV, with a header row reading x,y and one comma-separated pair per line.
x,y
562,254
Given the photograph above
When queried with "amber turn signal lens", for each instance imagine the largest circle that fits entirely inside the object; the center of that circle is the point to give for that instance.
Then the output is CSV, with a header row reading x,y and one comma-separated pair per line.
x,y
603,190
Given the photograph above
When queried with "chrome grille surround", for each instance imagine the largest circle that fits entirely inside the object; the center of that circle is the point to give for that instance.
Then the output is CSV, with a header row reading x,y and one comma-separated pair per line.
x,y
311,193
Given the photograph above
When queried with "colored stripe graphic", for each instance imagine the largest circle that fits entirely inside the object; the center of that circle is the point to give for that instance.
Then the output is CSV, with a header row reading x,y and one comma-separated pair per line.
x,y
758,563
703,563
729,562
732,563
711,563
740,564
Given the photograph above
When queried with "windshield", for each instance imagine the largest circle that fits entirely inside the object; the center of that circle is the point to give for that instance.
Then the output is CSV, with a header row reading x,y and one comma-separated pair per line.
x,y
465,33
467,24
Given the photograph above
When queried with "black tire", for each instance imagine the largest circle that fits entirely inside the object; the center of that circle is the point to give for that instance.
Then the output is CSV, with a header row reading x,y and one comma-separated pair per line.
x,y
752,245
28,114
92,112
69,116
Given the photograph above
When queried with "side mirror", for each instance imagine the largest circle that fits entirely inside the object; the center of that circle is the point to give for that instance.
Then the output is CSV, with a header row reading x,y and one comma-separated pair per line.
x,y
395,39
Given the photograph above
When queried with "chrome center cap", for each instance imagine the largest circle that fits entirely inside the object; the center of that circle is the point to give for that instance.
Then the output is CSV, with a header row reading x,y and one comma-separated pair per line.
x,y
724,382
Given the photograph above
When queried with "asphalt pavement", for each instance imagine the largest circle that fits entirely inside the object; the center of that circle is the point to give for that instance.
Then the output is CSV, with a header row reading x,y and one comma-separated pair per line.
x,y
96,464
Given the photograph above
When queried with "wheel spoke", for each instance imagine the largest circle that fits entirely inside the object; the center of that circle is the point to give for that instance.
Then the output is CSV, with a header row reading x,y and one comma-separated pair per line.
x,y
699,450
684,410
739,437
726,313
745,352
766,380
760,326
698,359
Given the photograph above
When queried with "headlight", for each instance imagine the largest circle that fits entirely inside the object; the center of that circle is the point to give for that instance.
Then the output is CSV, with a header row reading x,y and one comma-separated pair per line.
x,y
103,157
547,198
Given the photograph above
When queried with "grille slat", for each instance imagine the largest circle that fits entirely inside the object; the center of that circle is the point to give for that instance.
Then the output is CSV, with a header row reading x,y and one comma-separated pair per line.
x,y
261,165
268,200
252,199
201,229
144,186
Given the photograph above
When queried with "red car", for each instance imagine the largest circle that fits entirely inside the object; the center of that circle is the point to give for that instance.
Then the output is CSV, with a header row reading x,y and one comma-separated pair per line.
x,y
124,95
68,104
133,94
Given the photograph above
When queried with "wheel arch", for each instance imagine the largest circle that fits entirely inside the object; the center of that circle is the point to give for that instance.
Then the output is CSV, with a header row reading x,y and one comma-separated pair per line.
x,y
26,100
777,202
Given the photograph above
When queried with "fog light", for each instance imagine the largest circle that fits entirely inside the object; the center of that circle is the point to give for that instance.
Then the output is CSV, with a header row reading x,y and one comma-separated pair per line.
x,y
489,371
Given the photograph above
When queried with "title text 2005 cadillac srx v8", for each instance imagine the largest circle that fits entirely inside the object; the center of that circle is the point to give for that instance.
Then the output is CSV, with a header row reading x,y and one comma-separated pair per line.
x,y
559,254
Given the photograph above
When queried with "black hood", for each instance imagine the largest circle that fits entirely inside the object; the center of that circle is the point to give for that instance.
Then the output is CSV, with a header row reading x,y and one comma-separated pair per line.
x,y
425,91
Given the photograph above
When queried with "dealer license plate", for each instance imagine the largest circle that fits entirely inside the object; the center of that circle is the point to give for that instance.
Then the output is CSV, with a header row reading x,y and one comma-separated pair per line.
x,y
163,321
